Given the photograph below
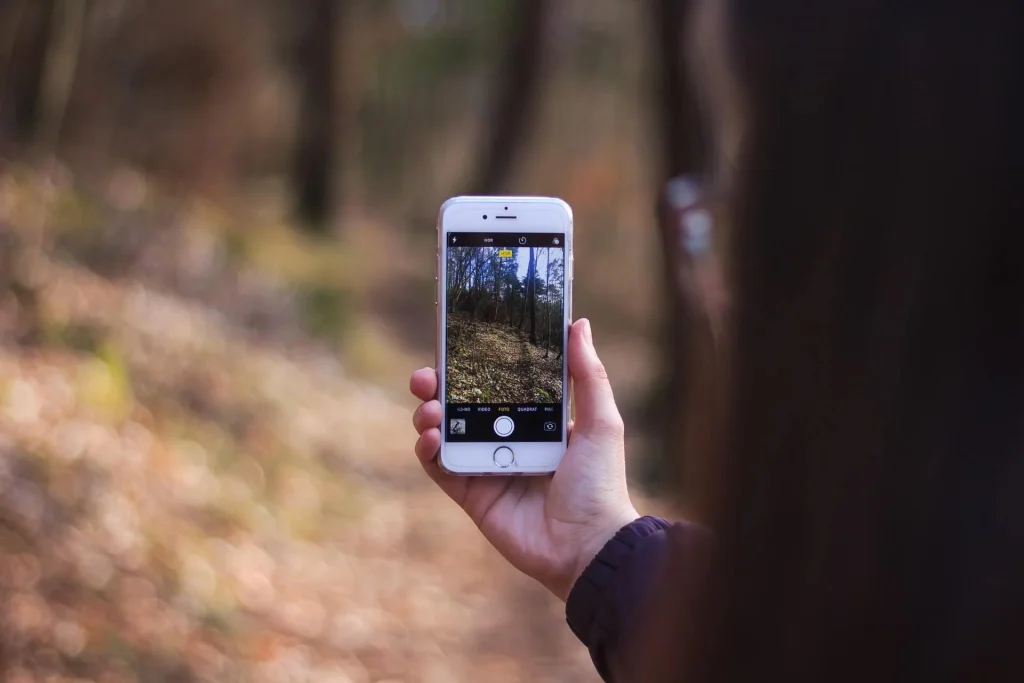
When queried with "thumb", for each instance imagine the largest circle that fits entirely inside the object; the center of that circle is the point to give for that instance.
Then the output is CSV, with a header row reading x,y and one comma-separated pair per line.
x,y
597,416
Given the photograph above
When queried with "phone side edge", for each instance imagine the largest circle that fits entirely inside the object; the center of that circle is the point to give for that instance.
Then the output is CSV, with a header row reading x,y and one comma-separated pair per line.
x,y
569,264
439,360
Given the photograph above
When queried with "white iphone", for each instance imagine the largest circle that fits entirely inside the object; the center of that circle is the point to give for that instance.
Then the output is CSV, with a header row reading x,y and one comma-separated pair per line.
x,y
504,294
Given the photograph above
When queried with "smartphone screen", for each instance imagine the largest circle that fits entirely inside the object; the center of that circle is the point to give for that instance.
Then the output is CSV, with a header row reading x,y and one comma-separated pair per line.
x,y
505,330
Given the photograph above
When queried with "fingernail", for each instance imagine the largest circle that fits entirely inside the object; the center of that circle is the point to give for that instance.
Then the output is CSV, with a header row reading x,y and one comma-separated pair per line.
x,y
588,333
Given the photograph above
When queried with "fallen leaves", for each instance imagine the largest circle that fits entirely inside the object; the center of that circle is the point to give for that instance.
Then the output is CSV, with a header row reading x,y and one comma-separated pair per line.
x,y
494,363
181,500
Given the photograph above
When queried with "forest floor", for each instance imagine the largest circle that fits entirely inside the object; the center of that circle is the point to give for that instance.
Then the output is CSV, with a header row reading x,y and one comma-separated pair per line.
x,y
495,363
194,488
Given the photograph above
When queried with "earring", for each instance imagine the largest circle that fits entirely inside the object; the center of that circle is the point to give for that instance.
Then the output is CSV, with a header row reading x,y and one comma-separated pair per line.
x,y
695,223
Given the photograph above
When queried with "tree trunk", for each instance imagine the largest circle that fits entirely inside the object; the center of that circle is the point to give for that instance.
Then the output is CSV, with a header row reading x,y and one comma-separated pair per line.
x,y
497,282
27,34
457,276
526,295
478,286
528,287
513,109
510,298
314,166
533,297
59,73
678,129
547,325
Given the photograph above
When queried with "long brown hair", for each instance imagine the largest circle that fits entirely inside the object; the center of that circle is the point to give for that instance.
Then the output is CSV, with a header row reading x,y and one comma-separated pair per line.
x,y
871,520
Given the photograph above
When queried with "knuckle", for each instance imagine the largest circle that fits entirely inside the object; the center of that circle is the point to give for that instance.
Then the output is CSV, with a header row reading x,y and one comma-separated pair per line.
x,y
610,426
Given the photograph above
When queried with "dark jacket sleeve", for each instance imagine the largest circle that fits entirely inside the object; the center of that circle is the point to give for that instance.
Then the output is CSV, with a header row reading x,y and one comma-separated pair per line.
x,y
607,596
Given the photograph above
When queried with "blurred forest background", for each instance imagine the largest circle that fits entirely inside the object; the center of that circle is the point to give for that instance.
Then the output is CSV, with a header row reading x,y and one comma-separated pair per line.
x,y
216,273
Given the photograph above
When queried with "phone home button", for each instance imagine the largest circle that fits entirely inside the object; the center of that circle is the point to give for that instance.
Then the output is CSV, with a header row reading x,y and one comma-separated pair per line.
x,y
503,457
504,425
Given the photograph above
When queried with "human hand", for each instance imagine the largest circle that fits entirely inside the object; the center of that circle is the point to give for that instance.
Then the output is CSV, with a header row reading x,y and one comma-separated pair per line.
x,y
549,528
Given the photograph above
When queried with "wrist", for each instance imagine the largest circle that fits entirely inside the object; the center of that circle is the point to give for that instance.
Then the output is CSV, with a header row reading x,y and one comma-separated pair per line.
x,y
590,548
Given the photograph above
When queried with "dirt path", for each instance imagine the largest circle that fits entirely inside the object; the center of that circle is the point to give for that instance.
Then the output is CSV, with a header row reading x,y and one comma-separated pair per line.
x,y
181,502
490,363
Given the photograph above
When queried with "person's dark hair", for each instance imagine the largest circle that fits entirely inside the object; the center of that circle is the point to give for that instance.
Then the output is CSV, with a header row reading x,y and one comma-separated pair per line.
x,y
871,525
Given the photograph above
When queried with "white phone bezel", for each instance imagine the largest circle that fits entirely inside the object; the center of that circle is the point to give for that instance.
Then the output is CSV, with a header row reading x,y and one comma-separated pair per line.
x,y
533,214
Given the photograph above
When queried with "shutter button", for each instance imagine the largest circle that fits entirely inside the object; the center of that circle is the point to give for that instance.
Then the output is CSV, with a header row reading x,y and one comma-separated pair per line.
x,y
504,425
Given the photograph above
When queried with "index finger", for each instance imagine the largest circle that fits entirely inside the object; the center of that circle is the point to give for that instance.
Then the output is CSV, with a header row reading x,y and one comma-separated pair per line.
x,y
423,384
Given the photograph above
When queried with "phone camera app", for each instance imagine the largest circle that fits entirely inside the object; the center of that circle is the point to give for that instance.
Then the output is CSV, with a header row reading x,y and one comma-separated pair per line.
x,y
504,336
